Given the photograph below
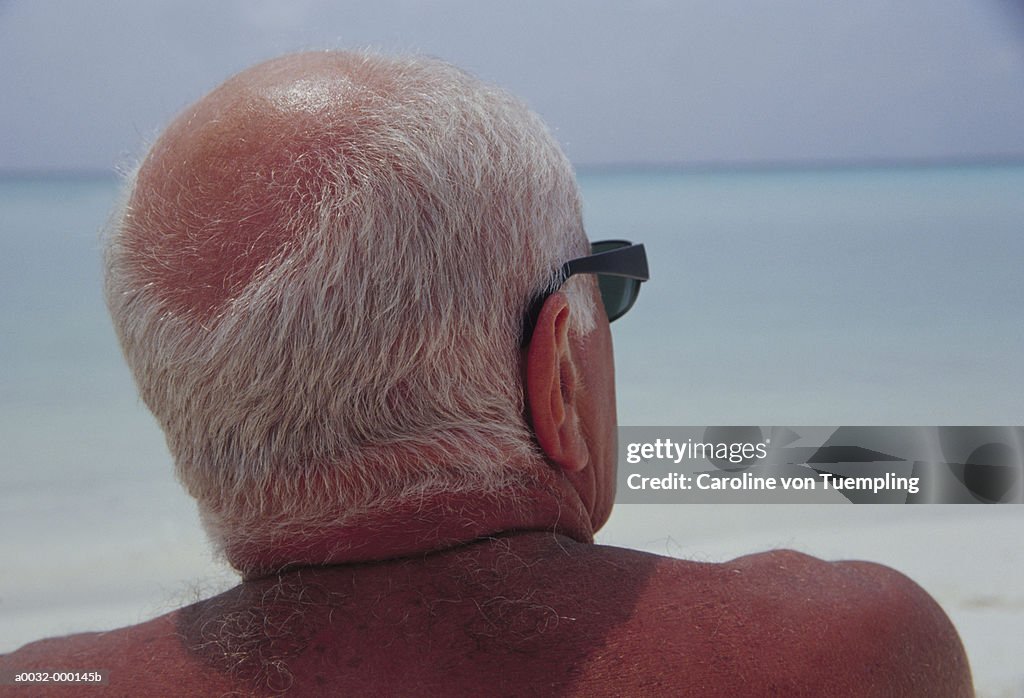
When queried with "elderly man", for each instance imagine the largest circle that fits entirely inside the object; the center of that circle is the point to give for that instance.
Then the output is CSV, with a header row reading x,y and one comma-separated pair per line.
x,y
343,285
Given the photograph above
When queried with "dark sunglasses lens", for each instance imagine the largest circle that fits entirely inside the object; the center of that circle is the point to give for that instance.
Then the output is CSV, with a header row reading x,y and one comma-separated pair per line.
x,y
618,294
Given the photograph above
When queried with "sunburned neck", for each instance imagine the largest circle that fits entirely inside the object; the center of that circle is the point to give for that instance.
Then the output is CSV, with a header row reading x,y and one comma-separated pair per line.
x,y
425,526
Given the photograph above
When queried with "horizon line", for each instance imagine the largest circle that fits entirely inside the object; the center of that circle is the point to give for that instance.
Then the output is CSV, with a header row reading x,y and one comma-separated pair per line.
x,y
802,164
625,167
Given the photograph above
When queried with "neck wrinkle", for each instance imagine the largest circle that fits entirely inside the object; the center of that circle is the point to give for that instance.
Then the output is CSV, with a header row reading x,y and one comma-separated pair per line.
x,y
421,528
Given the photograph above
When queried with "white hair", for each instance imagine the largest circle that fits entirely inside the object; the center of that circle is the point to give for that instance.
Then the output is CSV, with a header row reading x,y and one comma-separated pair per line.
x,y
375,359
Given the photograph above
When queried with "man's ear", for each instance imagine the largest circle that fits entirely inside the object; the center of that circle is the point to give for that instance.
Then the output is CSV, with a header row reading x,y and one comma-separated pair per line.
x,y
552,387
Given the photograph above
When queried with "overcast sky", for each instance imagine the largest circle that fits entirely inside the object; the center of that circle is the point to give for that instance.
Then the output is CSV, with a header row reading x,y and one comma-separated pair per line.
x,y
85,84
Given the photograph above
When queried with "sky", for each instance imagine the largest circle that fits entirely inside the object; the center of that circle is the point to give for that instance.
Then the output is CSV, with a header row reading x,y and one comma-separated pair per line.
x,y
656,82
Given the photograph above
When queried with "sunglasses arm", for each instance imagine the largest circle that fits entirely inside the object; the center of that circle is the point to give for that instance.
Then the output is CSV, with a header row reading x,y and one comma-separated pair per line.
x,y
630,262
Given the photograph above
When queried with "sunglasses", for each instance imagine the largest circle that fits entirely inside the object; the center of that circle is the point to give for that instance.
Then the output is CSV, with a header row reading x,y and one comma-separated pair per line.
x,y
620,266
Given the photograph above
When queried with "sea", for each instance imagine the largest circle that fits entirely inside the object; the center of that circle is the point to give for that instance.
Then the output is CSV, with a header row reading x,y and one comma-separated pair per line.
x,y
786,296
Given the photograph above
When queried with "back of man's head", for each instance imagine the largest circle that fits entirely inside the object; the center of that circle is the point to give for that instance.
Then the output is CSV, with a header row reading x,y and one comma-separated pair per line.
x,y
319,277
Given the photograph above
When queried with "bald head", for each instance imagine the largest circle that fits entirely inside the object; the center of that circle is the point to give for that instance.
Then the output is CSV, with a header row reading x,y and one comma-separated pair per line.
x,y
319,280
237,177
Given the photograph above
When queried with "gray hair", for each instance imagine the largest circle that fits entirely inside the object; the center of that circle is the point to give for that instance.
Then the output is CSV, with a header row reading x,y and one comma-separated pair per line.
x,y
375,359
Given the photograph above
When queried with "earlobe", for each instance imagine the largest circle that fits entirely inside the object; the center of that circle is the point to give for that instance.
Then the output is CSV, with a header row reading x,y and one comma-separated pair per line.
x,y
551,387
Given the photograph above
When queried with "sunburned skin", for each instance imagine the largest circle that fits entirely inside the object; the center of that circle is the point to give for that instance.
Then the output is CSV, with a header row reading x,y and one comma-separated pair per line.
x,y
540,614
211,172
483,595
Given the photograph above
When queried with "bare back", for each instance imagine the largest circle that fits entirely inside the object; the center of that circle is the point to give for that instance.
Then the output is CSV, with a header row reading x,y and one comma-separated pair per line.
x,y
535,614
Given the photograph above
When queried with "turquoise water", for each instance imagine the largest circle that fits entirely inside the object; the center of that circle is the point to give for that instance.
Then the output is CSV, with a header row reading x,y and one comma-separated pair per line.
x,y
785,297
825,297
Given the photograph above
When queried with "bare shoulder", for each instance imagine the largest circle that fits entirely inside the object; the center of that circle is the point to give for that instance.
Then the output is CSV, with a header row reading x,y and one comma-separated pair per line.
x,y
575,619
786,623
139,659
